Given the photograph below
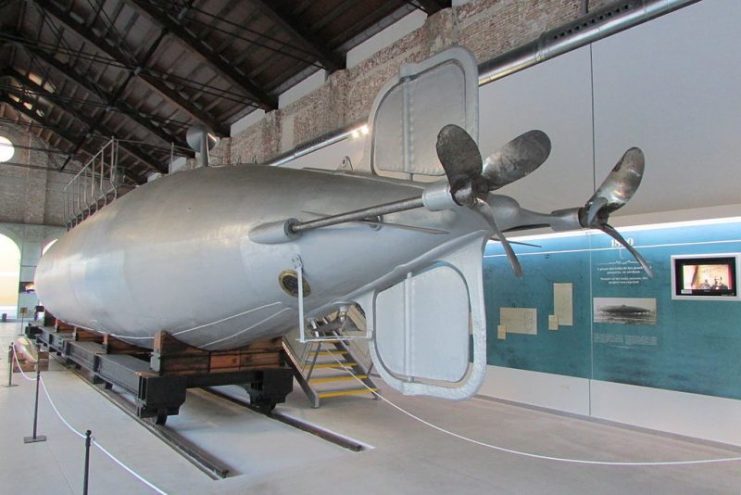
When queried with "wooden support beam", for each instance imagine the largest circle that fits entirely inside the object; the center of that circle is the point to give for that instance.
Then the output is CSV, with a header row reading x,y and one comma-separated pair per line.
x,y
174,357
18,107
87,120
191,40
122,107
33,116
332,61
82,335
111,50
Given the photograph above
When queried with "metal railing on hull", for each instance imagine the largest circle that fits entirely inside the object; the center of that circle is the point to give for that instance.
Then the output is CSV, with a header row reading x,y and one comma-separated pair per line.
x,y
94,186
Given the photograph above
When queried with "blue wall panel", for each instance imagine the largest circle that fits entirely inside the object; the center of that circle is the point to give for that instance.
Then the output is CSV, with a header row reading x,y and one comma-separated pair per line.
x,y
695,346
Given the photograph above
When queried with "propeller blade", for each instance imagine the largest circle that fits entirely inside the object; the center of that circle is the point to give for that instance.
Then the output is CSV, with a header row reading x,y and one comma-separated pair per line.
x,y
483,207
618,187
461,160
594,208
516,159
610,230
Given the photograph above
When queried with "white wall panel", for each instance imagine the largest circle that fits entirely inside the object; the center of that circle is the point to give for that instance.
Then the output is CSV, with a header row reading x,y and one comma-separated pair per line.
x,y
701,416
563,393
671,86
555,97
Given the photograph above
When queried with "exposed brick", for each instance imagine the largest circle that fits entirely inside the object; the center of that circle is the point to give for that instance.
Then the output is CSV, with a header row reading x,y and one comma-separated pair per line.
x,y
486,27
31,191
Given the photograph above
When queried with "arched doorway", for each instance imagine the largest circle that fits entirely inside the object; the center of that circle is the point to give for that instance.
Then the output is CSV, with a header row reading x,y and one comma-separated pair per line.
x,y
10,265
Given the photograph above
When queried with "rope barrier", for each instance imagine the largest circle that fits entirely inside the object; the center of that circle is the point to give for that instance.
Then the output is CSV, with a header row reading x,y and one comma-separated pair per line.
x,y
98,445
18,364
56,411
82,435
127,468
530,454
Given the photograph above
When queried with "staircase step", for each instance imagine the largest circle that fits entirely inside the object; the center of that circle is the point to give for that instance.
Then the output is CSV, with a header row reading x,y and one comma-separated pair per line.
x,y
338,378
334,365
342,393
330,353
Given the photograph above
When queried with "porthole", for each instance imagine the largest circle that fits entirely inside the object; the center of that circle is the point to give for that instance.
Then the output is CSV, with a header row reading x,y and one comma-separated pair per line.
x,y
288,281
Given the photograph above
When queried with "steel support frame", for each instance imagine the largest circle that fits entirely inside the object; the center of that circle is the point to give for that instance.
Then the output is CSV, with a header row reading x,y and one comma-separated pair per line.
x,y
222,66
124,108
85,119
47,125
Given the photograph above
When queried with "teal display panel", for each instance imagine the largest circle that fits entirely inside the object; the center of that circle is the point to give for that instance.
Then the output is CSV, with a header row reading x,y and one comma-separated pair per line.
x,y
562,260
626,327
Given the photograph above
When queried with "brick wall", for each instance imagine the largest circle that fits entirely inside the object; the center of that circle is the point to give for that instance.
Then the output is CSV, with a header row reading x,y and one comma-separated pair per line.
x,y
486,27
30,191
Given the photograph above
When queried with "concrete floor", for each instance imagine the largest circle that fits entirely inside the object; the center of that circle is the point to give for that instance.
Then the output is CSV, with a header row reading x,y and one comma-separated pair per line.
x,y
407,457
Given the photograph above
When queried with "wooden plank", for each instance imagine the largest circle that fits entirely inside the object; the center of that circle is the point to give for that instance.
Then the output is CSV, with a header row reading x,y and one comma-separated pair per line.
x,y
165,344
61,326
176,357
82,335
256,360
118,346
228,361
49,320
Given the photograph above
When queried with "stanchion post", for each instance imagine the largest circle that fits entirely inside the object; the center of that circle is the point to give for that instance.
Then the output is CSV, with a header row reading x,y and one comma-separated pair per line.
x,y
11,356
88,442
36,438
23,317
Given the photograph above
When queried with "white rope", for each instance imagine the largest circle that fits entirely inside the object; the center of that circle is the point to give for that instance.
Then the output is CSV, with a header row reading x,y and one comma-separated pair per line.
x,y
95,442
529,454
59,415
127,468
15,358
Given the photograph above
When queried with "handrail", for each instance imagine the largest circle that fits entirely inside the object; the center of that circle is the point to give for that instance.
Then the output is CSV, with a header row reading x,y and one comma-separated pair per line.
x,y
95,183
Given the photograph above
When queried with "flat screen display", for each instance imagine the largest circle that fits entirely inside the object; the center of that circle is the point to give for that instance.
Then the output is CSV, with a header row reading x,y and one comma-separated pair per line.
x,y
710,276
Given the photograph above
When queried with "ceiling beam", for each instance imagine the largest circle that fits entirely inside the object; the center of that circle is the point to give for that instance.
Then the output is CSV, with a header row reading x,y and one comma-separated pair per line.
x,y
85,119
30,114
217,61
124,108
112,51
33,116
331,60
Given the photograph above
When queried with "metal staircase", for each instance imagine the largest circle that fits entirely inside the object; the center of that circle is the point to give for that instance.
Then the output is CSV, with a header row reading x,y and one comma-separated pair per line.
x,y
330,366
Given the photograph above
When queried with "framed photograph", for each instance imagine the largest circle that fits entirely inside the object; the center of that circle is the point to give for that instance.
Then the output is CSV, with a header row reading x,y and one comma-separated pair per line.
x,y
703,277
625,310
